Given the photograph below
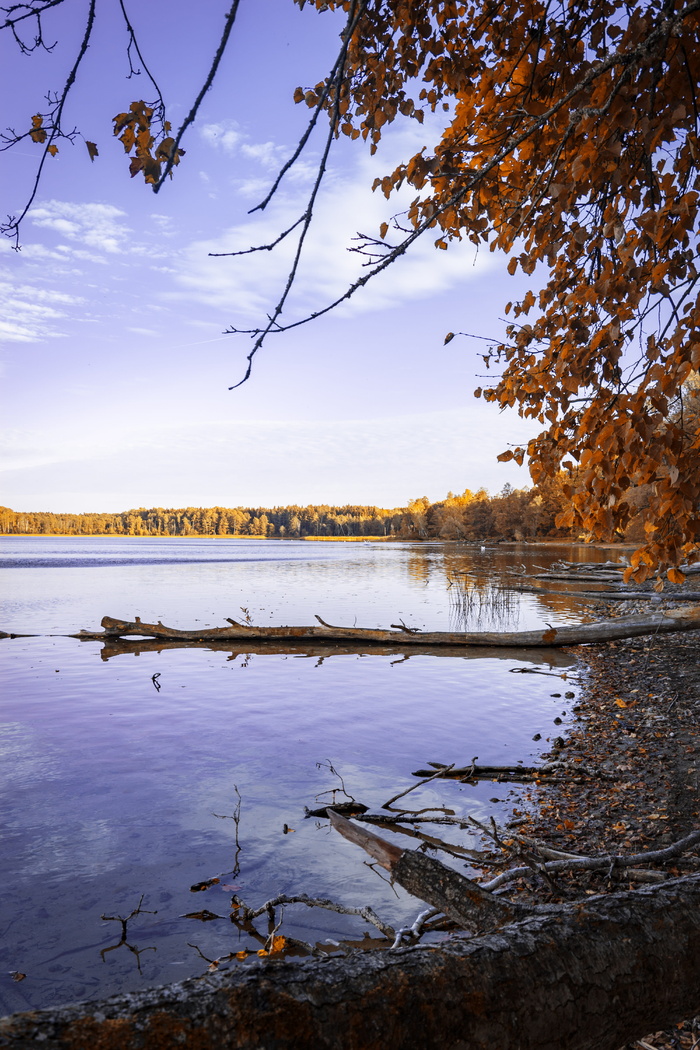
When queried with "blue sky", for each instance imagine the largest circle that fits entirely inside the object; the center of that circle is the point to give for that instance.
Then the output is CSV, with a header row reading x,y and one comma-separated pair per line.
x,y
115,371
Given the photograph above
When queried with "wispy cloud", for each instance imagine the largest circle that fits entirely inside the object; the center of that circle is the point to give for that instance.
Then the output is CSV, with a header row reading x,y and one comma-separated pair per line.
x,y
229,137
226,135
244,286
29,313
93,225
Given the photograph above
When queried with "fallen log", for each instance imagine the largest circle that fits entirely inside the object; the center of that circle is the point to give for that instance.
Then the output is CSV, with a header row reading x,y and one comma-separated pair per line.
x,y
619,594
684,618
589,976
457,897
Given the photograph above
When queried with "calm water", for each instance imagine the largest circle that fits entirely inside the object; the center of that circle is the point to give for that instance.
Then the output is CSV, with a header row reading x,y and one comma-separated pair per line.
x,y
115,791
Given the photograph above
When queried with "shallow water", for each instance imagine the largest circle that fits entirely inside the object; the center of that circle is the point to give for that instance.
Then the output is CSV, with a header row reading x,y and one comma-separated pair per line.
x,y
116,791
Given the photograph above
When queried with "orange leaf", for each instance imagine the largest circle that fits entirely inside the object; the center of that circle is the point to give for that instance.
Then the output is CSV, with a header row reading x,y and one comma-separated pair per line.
x,y
37,134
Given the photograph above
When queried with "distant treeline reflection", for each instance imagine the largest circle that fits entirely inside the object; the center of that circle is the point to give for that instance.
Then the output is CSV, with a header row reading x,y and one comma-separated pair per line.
x,y
513,514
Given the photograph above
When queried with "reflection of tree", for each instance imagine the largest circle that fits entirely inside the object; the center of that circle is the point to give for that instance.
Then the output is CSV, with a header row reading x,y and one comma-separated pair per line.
x,y
418,567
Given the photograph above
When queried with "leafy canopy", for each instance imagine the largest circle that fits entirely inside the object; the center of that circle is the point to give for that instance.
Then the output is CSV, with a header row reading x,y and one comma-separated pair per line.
x,y
569,141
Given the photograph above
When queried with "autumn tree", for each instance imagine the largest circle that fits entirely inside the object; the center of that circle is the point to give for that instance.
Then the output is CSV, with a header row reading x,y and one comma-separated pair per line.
x,y
568,139
570,142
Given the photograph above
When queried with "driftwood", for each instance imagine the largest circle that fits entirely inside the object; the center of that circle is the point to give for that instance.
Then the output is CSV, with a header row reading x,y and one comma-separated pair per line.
x,y
558,769
681,619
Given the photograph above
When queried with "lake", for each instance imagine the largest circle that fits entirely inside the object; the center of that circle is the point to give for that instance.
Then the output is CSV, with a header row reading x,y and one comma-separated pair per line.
x,y
129,776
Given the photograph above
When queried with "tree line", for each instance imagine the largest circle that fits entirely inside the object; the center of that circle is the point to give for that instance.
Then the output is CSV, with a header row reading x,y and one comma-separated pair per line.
x,y
512,514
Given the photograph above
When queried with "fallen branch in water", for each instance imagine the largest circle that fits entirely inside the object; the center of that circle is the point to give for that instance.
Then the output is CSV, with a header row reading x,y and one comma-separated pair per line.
x,y
457,897
516,773
586,977
684,618
470,904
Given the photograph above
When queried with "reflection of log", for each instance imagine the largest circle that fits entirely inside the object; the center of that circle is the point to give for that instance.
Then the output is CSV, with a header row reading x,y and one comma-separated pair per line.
x,y
318,650
682,619
589,976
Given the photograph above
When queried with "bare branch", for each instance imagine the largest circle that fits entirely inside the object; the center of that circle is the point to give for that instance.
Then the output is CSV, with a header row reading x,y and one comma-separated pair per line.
x,y
11,228
228,26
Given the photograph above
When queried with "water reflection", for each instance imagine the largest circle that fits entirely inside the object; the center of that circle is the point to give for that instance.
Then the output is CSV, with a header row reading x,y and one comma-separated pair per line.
x,y
114,789
122,942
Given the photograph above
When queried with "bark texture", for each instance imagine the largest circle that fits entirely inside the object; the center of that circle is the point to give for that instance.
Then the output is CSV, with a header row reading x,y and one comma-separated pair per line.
x,y
589,976
681,619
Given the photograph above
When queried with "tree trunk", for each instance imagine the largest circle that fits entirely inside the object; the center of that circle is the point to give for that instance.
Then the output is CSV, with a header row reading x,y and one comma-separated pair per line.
x,y
684,618
588,976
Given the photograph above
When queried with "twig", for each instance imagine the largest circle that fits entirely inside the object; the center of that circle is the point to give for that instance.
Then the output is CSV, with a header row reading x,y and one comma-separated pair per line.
x,y
332,791
440,773
413,933
11,228
402,627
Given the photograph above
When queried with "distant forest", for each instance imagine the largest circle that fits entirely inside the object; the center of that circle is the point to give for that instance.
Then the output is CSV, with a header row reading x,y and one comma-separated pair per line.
x,y
513,514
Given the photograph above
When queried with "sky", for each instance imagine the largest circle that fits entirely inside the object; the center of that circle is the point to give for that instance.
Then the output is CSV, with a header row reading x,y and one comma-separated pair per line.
x,y
114,365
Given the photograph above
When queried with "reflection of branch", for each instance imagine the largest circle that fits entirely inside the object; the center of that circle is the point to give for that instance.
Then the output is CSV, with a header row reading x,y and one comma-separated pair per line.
x,y
236,818
302,649
333,791
441,772
138,910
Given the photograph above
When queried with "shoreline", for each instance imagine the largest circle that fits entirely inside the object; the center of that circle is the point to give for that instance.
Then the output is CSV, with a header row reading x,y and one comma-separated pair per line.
x,y
490,544
637,717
